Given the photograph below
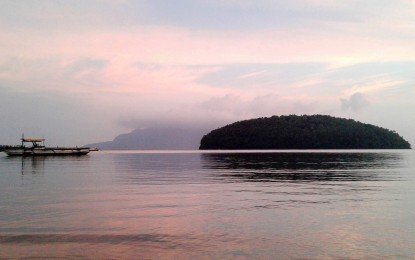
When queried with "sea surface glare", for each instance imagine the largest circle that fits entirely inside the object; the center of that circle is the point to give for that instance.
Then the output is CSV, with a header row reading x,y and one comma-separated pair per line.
x,y
209,205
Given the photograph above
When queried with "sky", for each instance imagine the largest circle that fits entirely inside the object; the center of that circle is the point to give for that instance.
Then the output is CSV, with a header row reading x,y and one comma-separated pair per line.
x,y
78,72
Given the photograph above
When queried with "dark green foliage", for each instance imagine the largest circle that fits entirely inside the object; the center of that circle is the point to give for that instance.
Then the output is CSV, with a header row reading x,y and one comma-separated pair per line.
x,y
302,132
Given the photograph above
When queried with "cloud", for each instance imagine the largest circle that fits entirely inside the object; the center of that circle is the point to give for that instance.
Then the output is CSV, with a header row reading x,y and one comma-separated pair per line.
x,y
261,75
258,106
61,119
228,102
145,63
355,102
79,75
215,111
241,15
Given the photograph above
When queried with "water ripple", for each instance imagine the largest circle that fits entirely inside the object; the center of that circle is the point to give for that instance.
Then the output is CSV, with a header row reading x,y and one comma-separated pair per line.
x,y
83,238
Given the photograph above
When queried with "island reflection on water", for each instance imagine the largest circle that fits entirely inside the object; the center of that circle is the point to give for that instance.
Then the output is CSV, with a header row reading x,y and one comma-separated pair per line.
x,y
307,167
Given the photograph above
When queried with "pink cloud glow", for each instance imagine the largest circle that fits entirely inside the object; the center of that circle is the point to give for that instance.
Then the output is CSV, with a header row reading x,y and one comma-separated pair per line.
x,y
157,69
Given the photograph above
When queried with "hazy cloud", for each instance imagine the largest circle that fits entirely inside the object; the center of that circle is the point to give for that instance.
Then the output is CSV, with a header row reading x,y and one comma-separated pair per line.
x,y
258,106
262,75
355,102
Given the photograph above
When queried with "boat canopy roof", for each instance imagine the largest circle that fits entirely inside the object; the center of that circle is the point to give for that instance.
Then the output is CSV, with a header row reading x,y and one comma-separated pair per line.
x,y
33,140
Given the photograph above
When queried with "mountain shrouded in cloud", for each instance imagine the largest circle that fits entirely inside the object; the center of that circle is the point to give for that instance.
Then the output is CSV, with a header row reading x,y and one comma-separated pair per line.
x,y
154,139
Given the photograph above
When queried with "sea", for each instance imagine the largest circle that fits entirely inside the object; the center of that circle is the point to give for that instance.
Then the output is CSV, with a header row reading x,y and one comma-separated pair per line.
x,y
304,204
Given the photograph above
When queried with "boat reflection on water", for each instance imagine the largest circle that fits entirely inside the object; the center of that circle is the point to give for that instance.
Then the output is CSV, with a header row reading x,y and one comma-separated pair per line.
x,y
304,166
29,165
33,165
41,164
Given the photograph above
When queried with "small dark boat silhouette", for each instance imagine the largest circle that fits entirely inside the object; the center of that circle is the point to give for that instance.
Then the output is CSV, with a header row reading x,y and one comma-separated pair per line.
x,y
38,148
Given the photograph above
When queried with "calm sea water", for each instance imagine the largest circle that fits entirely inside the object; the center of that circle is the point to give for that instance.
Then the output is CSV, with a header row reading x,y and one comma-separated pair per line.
x,y
193,205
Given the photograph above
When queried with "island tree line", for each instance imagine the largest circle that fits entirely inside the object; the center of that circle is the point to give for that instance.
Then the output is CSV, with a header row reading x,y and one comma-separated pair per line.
x,y
302,132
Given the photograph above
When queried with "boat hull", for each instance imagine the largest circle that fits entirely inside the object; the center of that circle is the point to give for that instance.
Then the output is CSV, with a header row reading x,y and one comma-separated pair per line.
x,y
46,151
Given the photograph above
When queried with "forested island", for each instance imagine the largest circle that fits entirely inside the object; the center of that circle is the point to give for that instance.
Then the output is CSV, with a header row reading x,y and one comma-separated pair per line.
x,y
302,132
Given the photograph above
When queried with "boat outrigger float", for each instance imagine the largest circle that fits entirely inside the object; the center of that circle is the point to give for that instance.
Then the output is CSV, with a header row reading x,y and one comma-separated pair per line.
x,y
40,149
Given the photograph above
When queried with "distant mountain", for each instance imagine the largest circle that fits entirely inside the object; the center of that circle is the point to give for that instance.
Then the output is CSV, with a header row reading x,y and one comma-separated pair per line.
x,y
154,139
302,132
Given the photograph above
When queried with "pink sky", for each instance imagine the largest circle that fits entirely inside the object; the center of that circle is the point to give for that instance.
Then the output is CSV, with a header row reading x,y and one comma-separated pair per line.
x,y
145,62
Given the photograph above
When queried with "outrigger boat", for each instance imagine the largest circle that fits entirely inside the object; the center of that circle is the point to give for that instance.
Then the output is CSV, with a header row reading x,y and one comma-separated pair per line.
x,y
40,149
